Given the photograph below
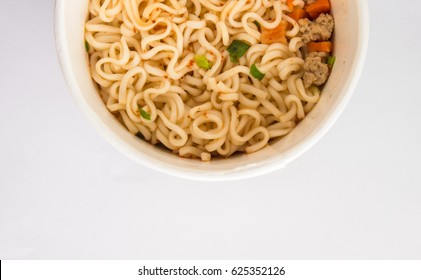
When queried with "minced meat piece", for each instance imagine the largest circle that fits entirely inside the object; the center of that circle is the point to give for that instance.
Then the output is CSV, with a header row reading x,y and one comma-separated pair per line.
x,y
315,71
309,2
322,55
319,30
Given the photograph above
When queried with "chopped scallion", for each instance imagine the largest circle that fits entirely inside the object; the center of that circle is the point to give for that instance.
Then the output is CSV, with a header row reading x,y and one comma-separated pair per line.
x,y
87,46
144,114
202,62
331,61
237,49
255,72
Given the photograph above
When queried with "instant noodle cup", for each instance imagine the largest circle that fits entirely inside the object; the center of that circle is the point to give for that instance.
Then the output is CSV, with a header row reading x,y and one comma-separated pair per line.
x,y
350,45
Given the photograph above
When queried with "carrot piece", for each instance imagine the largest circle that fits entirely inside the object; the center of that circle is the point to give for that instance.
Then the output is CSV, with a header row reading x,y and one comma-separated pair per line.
x,y
320,47
290,4
298,14
315,9
275,35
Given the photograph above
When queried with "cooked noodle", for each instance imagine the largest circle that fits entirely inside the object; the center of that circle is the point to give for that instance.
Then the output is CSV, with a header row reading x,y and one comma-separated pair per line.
x,y
142,55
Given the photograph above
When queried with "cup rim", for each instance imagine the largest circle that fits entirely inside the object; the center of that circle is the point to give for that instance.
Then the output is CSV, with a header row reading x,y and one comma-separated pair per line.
x,y
228,175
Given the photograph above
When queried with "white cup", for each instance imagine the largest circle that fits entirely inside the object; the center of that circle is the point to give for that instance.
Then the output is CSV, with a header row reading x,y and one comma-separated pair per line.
x,y
350,46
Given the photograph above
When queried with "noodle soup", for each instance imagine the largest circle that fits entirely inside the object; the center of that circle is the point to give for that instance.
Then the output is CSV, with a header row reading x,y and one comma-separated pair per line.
x,y
210,78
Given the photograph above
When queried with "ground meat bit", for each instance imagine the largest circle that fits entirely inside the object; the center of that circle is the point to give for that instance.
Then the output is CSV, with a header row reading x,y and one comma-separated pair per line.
x,y
322,55
315,71
309,2
319,30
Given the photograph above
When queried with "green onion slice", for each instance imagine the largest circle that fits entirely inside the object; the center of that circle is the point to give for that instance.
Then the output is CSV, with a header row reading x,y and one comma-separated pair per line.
x,y
144,114
331,61
87,46
237,49
202,62
255,72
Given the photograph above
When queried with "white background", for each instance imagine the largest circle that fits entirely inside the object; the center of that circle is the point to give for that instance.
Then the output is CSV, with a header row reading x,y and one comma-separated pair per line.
x,y
66,193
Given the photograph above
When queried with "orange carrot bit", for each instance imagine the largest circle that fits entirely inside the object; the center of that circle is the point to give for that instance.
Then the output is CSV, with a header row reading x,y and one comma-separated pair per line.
x,y
298,14
320,47
315,9
290,4
275,35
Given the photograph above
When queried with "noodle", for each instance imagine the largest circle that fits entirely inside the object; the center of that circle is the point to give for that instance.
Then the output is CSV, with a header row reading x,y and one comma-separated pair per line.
x,y
143,60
